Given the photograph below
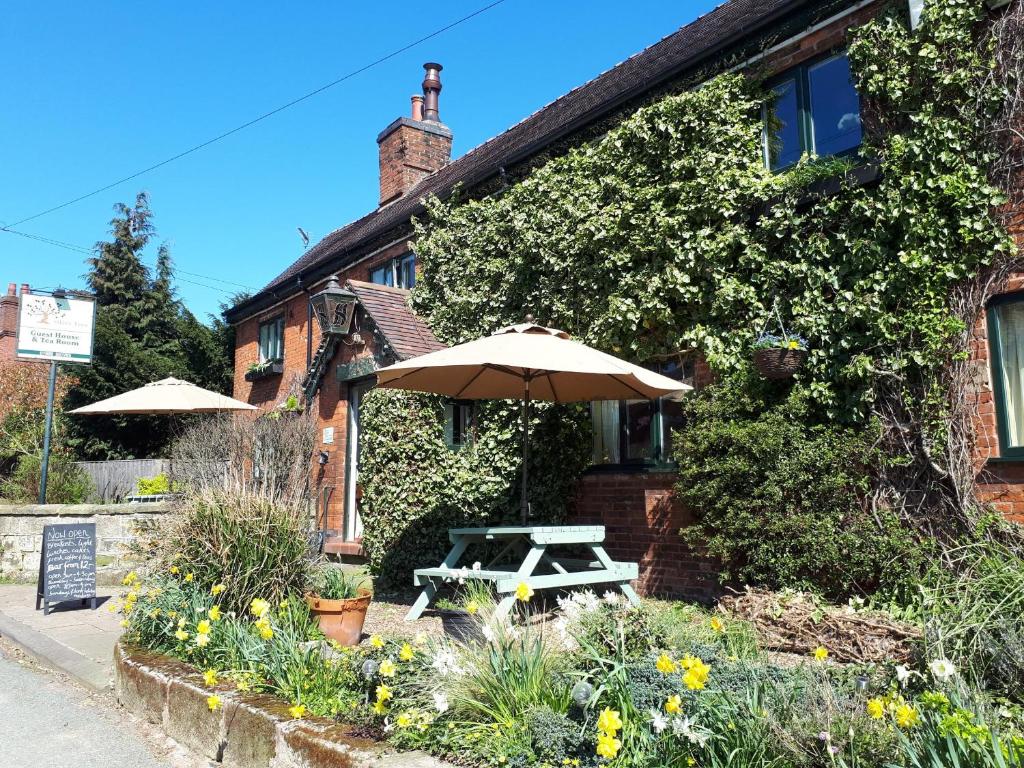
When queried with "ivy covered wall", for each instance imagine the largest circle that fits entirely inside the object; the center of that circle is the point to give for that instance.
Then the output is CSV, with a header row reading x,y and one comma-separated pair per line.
x,y
668,236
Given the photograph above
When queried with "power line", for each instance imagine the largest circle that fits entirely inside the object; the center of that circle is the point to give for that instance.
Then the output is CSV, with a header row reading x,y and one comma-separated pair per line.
x,y
90,251
264,116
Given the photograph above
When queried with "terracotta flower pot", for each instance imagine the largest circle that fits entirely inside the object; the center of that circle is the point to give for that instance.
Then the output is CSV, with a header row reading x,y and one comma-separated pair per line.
x,y
341,620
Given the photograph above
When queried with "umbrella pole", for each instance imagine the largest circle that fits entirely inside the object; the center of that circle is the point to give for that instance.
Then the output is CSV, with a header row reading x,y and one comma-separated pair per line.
x,y
524,502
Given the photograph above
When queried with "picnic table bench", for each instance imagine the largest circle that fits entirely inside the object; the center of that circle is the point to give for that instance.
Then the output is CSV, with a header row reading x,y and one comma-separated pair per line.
x,y
528,547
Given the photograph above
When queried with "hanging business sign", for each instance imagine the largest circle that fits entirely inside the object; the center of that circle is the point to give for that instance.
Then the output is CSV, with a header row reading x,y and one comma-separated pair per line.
x,y
56,328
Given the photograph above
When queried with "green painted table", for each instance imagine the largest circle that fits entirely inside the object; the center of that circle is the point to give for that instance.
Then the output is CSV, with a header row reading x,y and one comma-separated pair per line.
x,y
528,546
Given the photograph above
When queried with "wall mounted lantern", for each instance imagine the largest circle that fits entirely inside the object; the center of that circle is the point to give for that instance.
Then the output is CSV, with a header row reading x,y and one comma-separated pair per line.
x,y
334,308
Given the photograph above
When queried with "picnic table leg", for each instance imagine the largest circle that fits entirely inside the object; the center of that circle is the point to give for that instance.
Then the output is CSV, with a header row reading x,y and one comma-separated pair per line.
x,y
429,590
607,562
525,571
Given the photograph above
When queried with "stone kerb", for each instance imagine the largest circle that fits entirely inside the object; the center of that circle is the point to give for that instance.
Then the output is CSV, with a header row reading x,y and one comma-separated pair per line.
x,y
247,730
117,525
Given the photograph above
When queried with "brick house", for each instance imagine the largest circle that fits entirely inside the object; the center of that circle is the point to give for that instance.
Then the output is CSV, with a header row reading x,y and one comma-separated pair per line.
x,y
800,44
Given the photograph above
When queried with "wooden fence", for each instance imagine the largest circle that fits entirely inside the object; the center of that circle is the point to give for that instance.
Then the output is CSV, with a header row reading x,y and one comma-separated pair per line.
x,y
114,480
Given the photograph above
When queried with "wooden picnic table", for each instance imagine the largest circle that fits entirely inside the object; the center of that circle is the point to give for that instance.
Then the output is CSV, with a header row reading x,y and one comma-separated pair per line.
x,y
527,549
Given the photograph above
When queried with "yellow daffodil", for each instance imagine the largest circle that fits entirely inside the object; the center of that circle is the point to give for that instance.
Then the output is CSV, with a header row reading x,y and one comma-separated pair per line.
x,y
242,685
607,745
216,589
379,707
265,630
404,720
213,702
388,668
793,344
175,570
665,664
181,634
284,605
674,704
125,622
214,613
377,641
821,653
130,579
297,711
383,692
406,653
203,627
190,577
524,592
696,674
472,607
876,708
906,716
259,607
210,677
717,624
609,721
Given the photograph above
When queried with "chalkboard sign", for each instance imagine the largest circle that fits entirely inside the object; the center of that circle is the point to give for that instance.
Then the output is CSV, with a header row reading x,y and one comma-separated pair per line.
x,y
67,566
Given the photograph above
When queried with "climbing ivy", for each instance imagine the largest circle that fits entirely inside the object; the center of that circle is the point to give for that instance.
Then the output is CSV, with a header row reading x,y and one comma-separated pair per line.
x,y
669,237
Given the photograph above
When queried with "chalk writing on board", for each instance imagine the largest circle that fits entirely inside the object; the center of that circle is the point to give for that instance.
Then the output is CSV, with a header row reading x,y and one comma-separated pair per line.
x,y
68,565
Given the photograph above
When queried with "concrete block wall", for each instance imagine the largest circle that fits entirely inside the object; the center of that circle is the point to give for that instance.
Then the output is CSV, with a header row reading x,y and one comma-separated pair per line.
x,y
117,525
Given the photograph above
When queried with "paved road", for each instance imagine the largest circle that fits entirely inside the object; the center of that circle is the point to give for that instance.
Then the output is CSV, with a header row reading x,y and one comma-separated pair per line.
x,y
49,723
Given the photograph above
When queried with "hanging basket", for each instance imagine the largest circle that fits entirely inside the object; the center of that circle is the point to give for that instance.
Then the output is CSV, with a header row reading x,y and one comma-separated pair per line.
x,y
778,363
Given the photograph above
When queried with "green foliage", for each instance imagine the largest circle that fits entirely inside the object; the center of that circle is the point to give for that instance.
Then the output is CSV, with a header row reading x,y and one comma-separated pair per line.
x,y
257,548
153,486
554,737
779,494
416,488
143,333
333,583
66,482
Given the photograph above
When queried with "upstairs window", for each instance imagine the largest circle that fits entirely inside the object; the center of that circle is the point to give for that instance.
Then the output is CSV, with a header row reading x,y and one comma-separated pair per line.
x,y
815,110
639,432
272,340
399,272
1006,352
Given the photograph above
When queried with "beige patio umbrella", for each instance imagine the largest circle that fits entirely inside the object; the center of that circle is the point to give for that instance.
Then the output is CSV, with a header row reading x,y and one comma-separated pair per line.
x,y
166,396
530,362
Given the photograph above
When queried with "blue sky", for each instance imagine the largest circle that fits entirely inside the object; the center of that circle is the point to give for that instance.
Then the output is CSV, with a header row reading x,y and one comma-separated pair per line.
x,y
96,91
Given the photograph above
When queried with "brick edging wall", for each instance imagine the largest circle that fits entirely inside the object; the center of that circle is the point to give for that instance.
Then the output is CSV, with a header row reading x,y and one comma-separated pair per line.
x,y
248,730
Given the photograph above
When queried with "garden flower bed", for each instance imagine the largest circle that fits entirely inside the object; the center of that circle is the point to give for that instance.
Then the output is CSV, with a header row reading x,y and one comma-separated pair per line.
x,y
596,683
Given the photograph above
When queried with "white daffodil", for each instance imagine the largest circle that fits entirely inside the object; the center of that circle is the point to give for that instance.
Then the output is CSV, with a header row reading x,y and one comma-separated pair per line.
x,y
612,598
685,728
589,601
489,635
942,669
658,721
476,567
440,702
903,674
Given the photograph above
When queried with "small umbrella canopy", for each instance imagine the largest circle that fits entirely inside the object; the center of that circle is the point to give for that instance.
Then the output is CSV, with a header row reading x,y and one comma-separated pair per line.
x,y
528,361
168,395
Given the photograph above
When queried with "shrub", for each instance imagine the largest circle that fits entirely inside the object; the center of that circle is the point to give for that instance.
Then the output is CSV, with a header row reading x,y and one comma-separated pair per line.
x,y
779,496
153,486
66,482
254,546
333,583
554,737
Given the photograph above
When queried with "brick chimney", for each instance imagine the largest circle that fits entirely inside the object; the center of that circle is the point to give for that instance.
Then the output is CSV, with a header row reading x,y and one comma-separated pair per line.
x,y
8,322
412,148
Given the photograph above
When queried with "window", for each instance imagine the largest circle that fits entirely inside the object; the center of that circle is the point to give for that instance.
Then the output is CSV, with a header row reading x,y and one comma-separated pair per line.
x,y
1006,350
272,340
639,431
815,110
458,423
400,272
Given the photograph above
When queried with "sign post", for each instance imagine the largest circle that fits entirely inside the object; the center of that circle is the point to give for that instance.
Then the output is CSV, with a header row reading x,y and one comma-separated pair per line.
x,y
57,327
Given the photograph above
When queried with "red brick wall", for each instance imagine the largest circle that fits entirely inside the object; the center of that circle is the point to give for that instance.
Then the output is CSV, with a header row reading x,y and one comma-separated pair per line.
x,y
8,323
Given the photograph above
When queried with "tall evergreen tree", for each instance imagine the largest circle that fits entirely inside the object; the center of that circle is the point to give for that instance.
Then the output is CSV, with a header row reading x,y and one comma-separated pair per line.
x,y
143,333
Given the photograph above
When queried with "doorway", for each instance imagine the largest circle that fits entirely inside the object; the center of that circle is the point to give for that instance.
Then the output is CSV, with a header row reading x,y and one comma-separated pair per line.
x,y
353,527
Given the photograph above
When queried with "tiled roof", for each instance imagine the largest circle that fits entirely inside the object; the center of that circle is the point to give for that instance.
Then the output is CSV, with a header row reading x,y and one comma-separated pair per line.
x,y
405,331
682,50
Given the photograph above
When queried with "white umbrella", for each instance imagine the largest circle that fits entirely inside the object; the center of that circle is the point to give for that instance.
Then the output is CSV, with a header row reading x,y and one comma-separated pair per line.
x,y
168,395
531,362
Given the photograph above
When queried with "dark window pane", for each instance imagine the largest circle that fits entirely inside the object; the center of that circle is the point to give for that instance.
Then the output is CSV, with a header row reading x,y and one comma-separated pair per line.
x,y
1011,358
606,431
671,419
782,127
639,416
835,106
383,275
407,271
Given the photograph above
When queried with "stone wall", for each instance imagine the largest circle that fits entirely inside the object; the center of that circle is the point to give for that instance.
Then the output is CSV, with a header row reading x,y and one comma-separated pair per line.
x,y
21,533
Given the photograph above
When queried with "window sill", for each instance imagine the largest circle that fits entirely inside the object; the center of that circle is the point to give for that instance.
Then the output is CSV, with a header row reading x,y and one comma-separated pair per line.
x,y
631,469
1005,460
274,369
867,173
